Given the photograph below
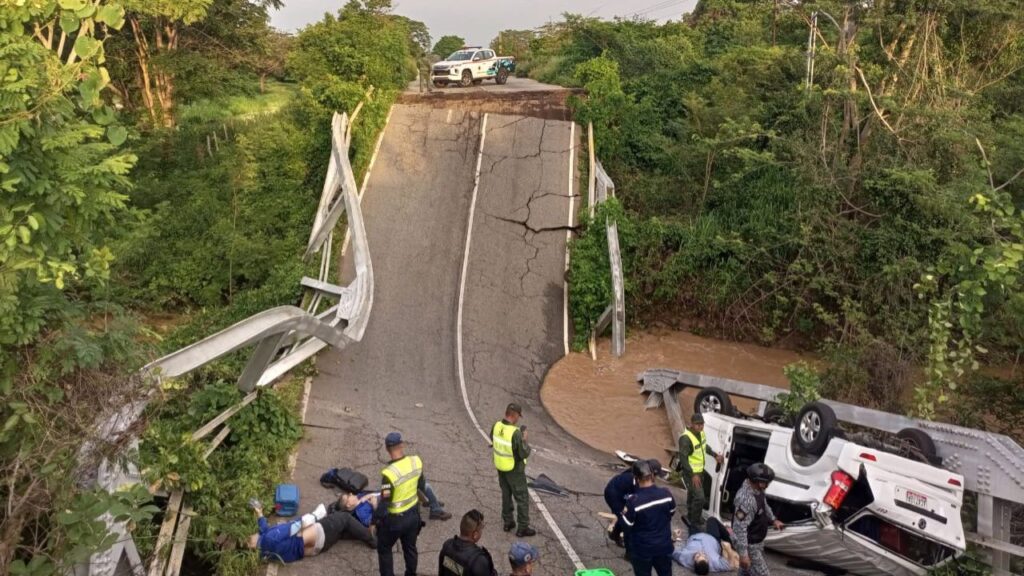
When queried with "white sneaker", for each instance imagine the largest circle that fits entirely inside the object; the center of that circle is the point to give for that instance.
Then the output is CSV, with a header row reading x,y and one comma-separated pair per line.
x,y
320,511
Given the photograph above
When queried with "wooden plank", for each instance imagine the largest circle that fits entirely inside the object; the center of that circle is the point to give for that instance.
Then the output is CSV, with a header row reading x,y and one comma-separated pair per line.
x,y
220,419
180,540
217,440
156,567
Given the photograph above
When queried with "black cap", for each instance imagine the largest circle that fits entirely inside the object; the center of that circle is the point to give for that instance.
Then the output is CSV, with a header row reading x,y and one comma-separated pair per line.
x,y
697,418
513,407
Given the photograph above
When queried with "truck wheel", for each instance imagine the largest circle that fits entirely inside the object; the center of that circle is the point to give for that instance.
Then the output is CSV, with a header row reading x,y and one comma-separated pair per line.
x,y
502,76
920,443
439,84
712,400
467,79
814,428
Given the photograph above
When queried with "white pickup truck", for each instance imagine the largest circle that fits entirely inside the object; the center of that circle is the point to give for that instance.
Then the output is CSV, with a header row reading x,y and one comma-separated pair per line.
x,y
469,66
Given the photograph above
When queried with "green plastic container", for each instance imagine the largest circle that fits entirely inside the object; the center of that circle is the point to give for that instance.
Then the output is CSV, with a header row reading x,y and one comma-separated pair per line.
x,y
595,572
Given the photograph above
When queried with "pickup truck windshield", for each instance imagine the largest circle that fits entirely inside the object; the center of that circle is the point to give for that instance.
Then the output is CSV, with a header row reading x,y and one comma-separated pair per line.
x,y
461,56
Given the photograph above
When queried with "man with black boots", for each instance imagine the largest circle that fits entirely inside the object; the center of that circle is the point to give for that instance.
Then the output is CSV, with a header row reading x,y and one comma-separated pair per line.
x,y
693,446
508,441
751,520
398,514
460,555
648,519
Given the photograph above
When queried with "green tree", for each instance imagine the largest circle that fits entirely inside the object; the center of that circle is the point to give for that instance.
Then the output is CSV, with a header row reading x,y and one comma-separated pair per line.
x,y
448,44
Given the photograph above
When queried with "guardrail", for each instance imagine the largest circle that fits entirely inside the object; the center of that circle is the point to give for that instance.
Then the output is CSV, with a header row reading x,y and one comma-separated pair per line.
x,y
992,464
600,187
281,338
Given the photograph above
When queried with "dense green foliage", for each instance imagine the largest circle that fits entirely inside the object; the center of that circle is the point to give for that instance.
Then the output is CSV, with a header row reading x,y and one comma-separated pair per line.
x,y
765,209
199,215
448,44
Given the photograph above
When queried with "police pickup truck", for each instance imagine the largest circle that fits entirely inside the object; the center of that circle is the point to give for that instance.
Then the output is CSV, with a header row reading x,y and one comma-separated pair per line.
x,y
471,65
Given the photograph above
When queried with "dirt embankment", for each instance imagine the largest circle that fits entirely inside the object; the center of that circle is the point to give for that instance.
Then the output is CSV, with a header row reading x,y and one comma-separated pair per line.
x,y
600,403
549,105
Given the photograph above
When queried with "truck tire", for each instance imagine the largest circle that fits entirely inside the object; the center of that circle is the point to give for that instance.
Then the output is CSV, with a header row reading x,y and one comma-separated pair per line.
x,y
815,426
502,76
467,79
440,83
712,400
921,444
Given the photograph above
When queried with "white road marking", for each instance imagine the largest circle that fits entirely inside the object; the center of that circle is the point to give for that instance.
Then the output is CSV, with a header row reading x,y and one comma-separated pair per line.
x,y
573,556
568,238
462,284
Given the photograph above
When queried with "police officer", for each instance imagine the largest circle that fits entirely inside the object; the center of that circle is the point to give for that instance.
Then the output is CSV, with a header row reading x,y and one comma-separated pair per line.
x,y
460,555
522,557
693,445
398,513
751,518
648,519
508,441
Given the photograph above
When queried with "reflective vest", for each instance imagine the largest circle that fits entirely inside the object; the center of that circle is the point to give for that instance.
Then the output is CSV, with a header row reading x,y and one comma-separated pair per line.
x,y
696,458
501,440
404,476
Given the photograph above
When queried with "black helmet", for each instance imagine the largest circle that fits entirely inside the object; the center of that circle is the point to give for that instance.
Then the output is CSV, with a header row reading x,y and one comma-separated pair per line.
x,y
759,472
642,469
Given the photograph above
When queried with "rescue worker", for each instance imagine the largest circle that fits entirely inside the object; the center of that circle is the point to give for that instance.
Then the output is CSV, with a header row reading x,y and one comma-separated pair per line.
x,y
511,450
751,518
648,519
398,513
615,492
693,446
522,557
460,555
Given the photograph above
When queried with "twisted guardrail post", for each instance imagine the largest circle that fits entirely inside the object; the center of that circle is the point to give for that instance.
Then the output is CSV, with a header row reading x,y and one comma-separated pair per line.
x,y
281,337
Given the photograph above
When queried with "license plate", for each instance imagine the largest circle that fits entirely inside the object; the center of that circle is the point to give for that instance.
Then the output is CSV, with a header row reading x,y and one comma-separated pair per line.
x,y
915,499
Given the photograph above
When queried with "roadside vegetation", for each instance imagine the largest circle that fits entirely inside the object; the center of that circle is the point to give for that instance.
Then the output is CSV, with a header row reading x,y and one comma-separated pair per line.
x,y
161,163
870,215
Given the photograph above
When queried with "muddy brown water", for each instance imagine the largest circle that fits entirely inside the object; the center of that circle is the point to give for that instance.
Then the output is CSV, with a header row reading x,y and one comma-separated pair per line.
x,y
600,402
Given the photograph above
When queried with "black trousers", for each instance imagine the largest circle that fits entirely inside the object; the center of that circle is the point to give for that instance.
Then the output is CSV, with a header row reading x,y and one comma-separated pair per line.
x,y
404,527
338,525
661,565
718,530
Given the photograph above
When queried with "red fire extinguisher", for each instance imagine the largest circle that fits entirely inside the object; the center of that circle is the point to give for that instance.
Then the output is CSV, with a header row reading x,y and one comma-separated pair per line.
x,y
841,484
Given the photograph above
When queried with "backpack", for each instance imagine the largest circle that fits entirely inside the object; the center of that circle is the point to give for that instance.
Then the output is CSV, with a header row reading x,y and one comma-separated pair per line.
x,y
345,479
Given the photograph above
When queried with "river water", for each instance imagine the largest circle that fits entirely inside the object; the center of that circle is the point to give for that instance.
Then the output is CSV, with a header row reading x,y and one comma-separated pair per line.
x,y
600,403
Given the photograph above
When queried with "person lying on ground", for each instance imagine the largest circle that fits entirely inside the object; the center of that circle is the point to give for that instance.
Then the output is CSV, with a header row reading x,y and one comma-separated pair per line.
x,y
310,535
358,516
708,551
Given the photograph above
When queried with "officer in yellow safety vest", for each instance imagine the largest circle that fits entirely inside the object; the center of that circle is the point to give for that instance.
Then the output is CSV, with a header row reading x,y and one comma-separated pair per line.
x,y
693,445
508,441
398,514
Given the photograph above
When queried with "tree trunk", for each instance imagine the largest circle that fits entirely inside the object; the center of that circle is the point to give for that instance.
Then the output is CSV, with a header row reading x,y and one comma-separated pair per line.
x,y
145,83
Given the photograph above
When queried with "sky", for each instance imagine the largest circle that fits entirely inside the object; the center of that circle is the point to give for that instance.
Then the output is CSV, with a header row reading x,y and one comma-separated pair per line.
x,y
478,21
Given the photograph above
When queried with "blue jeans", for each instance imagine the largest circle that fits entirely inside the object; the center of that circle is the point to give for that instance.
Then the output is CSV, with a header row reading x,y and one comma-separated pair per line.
x,y
435,504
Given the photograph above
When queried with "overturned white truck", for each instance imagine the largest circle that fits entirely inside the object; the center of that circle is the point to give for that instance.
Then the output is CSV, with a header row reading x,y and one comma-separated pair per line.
x,y
862,490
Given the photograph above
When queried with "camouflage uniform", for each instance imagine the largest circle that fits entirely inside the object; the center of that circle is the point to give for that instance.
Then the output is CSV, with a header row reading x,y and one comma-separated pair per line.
x,y
751,513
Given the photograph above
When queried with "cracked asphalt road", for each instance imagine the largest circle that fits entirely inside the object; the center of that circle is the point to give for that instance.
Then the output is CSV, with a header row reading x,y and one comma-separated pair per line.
x,y
404,374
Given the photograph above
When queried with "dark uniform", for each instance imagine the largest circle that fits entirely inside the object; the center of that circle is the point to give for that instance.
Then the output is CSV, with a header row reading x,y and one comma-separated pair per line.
x,y
460,557
398,515
615,493
751,518
510,454
648,519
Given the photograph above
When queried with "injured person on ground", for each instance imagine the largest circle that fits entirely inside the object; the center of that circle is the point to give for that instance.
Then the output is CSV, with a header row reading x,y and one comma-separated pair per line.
x,y
708,551
317,531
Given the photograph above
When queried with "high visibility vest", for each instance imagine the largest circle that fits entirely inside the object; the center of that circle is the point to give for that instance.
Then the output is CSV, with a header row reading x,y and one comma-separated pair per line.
x,y
696,458
404,476
501,440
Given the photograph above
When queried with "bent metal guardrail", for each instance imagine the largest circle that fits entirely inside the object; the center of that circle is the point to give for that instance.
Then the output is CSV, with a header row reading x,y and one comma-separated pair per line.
x,y
282,337
992,464
600,187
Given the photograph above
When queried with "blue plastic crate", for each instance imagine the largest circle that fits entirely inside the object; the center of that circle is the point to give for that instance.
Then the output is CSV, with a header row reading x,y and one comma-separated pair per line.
x,y
286,500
